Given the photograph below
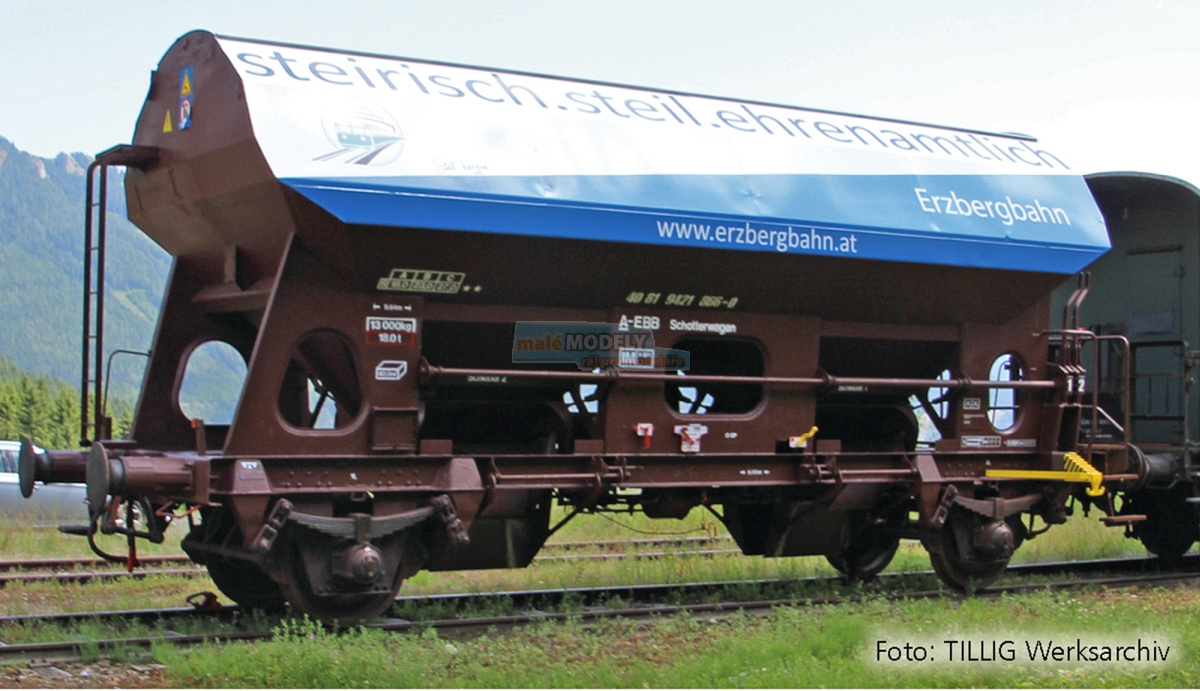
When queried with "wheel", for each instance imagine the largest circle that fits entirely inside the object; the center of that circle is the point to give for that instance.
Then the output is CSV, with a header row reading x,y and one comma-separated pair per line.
x,y
1170,527
246,584
972,570
869,552
963,575
337,609
241,581
337,581
1167,546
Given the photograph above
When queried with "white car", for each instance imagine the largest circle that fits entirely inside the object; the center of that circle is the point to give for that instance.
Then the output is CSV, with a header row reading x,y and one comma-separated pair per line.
x,y
50,505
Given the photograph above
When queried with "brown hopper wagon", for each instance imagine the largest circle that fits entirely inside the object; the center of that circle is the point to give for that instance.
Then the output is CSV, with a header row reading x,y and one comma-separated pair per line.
x,y
376,237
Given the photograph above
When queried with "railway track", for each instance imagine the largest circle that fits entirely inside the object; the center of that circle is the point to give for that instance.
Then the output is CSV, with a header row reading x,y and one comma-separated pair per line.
x,y
636,601
84,570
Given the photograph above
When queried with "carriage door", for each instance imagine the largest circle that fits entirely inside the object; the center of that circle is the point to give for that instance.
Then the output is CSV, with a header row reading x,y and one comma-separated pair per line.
x,y
1158,349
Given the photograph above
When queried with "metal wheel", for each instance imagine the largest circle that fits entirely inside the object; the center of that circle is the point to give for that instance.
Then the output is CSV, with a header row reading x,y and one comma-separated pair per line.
x,y
964,575
868,553
1170,527
332,608
1166,545
957,564
241,581
246,584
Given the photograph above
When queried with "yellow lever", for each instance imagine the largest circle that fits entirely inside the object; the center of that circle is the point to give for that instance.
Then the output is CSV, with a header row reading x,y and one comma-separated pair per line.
x,y
1075,469
801,441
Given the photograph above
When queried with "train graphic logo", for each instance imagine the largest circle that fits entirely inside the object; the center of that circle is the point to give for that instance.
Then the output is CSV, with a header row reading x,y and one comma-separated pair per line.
x,y
362,133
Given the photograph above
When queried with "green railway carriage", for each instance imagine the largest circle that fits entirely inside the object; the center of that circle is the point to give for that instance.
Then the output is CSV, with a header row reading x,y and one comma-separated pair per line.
x,y
1144,301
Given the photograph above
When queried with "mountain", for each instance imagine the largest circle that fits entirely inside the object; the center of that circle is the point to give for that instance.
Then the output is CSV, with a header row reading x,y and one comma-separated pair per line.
x,y
41,269
41,279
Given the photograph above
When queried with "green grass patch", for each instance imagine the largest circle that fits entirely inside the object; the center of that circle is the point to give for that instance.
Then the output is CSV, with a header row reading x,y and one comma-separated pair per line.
x,y
1080,539
791,647
19,539
830,646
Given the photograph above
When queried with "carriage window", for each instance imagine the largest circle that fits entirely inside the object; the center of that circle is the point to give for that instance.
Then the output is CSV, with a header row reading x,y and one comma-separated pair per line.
x,y
938,399
320,389
717,357
212,383
583,395
1004,404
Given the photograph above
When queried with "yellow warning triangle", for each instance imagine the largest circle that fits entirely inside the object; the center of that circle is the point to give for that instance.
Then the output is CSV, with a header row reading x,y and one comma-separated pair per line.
x,y
185,89
167,122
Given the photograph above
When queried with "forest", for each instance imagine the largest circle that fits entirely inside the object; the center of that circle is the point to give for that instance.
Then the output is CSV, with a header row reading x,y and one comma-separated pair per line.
x,y
47,409
41,269
41,295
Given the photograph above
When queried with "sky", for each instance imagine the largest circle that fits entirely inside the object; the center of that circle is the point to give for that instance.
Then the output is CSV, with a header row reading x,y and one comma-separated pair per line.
x,y
1109,85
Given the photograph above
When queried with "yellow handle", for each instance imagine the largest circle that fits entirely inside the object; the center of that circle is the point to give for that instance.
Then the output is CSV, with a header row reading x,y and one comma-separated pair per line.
x,y
801,441
1075,469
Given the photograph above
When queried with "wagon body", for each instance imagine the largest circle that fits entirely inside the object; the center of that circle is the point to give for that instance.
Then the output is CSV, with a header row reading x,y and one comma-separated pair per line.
x,y
381,240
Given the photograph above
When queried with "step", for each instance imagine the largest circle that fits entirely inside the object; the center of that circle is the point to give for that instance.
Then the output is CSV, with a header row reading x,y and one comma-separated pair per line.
x,y
1122,520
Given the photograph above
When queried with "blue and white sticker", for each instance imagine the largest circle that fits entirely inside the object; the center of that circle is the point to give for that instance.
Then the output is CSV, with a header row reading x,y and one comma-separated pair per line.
x,y
404,143
186,93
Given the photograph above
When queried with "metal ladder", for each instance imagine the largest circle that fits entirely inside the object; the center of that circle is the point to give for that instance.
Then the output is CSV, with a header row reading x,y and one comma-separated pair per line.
x,y
93,423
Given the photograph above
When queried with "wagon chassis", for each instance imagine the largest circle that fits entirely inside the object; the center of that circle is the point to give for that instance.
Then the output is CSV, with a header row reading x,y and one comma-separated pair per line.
x,y
263,494
339,532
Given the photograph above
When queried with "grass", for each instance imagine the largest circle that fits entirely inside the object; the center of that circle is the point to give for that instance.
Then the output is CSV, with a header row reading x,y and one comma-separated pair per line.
x,y
20,540
1079,539
791,647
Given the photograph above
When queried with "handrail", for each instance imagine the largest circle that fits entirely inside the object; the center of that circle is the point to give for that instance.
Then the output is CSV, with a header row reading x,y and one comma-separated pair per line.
x,y
1186,362
95,229
430,375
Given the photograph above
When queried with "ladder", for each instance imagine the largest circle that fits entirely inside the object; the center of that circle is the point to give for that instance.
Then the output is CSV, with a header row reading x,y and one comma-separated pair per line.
x,y
93,423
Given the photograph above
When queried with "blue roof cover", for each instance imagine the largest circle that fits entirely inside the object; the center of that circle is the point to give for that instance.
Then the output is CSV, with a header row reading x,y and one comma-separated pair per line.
x,y
395,142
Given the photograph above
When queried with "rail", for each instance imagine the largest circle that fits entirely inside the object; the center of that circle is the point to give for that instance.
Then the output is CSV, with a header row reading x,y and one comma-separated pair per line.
x,y
589,604
432,376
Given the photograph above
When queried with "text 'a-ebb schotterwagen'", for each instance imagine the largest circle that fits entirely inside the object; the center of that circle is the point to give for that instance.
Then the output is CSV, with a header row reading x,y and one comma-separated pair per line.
x,y
414,258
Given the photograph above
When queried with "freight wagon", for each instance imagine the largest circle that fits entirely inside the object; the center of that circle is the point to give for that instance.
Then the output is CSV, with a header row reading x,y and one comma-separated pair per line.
x,y
464,295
